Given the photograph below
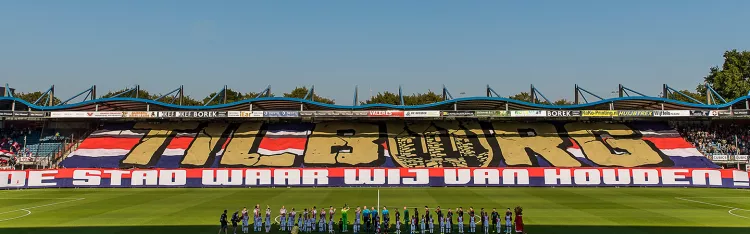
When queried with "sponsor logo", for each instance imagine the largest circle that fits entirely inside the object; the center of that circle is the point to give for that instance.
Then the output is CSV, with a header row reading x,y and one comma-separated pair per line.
x,y
234,114
307,113
139,114
385,113
599,113
636,113
281,114
740,157
720,157
740,112
422,114
563,113
529,113
671,113
700,113
492,113
458,113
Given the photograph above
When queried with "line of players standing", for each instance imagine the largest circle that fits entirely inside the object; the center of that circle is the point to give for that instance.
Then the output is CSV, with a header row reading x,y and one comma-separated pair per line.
x,y
307,222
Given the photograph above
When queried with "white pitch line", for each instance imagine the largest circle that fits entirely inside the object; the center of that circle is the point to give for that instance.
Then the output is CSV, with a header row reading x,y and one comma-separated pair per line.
x,y
717,205
28,212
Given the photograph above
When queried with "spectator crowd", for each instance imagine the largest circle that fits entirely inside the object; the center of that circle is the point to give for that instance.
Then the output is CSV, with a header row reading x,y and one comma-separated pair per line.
x,y
717,138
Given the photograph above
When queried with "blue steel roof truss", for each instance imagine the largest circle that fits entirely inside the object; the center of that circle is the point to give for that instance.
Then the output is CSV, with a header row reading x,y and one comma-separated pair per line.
x,y
264,96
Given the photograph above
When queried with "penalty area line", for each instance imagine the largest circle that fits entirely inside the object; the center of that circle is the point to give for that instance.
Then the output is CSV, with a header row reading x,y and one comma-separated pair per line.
x,y
717,205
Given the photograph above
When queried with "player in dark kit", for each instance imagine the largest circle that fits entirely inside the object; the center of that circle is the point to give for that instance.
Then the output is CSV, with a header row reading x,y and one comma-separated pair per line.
x,y
235,221
449,221
496,220
366,217
460,220
223,221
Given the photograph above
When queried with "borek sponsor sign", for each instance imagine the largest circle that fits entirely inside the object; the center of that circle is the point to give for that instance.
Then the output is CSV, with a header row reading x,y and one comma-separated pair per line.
x,y
341,177
192,114
563,113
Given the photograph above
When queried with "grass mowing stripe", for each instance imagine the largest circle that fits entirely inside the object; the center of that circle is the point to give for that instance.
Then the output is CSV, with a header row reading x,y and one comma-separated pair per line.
x,y
708,203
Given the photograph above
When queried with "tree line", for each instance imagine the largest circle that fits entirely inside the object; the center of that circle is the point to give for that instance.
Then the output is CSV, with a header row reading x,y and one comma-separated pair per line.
x,y
731,80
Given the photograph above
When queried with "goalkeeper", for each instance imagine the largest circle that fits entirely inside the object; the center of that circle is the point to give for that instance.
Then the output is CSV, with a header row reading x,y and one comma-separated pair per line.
x,y
345,221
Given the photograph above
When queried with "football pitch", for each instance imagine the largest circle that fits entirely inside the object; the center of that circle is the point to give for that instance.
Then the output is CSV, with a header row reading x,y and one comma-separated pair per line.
x,y
546,210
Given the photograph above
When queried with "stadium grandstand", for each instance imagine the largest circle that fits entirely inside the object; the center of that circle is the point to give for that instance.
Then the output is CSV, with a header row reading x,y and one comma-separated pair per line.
x,y
125,131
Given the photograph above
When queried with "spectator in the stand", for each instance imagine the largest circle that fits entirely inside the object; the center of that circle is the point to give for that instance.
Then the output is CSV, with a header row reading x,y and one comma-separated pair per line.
x,y
719,139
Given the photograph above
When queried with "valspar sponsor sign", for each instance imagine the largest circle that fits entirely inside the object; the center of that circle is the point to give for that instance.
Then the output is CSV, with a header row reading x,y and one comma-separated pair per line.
x,y
375,177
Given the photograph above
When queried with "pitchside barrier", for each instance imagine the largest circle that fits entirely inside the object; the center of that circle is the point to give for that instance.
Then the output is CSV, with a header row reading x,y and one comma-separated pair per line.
x,y
376,177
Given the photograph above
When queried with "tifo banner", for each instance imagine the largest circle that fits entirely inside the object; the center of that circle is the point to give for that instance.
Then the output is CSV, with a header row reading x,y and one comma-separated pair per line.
x,y
376,177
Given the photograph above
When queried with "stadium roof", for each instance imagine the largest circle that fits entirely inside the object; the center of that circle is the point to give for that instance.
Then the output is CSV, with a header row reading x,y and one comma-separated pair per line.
x,y
491,102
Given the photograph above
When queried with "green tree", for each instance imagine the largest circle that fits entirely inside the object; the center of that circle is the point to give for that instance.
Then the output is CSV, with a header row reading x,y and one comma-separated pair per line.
x,y
33,96
422,98
696,95
232,96
300,92
384,98
141,94
563,102
523,96
526,97
732,79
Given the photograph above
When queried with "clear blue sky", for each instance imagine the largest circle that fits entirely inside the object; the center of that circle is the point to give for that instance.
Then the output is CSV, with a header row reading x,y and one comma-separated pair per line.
x,y
377,45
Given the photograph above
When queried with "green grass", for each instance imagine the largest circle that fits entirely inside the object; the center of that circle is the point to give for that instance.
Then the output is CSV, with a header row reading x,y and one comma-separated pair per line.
x,y
546,210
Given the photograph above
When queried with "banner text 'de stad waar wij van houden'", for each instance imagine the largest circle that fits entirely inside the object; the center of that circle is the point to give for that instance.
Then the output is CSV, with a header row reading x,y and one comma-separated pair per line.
x,y
375,177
